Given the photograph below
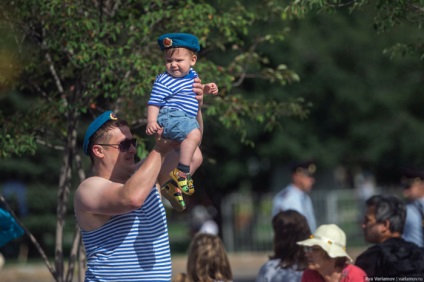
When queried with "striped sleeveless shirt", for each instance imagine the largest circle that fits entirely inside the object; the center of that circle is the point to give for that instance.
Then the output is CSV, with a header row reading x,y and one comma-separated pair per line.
x,y
175,93
131,247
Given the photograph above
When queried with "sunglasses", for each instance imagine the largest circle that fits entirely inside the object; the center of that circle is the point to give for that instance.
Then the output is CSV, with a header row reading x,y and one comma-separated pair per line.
x,y
124,145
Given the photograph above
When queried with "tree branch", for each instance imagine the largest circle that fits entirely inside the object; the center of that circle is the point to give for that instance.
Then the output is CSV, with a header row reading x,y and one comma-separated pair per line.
x,y
53,70
49,145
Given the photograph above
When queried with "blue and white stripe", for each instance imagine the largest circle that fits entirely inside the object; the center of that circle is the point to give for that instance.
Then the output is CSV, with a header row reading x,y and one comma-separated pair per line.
x,y
131,247
176,93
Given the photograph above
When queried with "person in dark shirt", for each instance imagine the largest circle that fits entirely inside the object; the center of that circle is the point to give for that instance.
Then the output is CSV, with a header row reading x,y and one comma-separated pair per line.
x,y
391,256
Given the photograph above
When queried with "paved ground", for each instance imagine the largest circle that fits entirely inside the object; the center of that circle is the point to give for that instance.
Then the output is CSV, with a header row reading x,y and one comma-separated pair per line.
x,y
245,266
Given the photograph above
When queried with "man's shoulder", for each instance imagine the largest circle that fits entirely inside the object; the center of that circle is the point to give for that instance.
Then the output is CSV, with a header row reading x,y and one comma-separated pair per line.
x,y
281,194
93,180
371,251
370,260
289,191
287,199
411,205
388,245
412,211
403,256
396,243
94,183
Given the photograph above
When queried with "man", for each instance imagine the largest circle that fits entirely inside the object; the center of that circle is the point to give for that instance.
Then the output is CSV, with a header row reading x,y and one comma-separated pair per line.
x,y
413,184
295,196
391,256
119,210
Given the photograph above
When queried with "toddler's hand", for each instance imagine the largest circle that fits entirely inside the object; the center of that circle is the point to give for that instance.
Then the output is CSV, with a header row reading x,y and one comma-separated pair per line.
x,y
152,128
210,88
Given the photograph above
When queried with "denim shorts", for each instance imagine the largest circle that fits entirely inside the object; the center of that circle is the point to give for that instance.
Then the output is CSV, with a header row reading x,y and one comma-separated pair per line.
x,y
176,124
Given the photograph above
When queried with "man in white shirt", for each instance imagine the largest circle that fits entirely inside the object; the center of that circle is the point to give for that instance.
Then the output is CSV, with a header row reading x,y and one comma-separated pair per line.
x,y
413,190
295,196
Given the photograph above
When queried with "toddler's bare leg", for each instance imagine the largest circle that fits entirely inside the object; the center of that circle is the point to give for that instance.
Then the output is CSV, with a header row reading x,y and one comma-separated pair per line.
x,y
189,146
196,161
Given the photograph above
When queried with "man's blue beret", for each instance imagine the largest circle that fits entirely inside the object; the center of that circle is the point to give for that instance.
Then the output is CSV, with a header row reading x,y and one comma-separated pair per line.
x,y
179,40
95,125
410,176
307,167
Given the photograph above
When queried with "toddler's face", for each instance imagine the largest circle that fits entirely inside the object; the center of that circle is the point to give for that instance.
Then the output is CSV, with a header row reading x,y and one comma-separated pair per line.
x,y
179,61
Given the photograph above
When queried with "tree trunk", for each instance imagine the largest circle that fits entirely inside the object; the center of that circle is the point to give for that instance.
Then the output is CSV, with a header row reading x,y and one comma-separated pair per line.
x,y
63,194
80,255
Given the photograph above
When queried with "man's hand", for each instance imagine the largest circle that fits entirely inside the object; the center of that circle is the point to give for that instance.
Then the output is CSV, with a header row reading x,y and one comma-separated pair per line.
x,y
164,145
198,89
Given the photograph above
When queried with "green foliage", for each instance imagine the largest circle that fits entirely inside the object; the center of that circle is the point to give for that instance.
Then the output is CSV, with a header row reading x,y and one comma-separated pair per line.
x,y
361,101
297,79
72,60
13,139
364,102
89,56
389,15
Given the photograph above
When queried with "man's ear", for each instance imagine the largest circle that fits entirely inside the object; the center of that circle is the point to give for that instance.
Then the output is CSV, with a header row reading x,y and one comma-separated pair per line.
x,y
386,225
98,151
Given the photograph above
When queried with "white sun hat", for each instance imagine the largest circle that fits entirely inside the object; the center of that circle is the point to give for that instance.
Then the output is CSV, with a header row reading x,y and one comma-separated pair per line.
x,y
330,238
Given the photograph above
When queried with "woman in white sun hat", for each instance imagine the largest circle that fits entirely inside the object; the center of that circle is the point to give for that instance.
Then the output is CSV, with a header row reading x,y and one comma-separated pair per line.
x,y
327,259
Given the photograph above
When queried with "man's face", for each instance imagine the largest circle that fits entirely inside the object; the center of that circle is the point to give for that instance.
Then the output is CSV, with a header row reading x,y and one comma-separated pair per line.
x,y
414,191
371,228
303,181
120,160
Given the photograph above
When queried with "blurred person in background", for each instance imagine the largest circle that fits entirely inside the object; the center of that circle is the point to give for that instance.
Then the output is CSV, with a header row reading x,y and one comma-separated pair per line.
x,y
9,230
207,261
391,255
327,258
413,190
202,220
288,261
295,196
364,188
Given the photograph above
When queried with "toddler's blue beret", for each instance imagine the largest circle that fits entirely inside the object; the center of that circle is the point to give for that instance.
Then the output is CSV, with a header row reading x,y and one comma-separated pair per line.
x,y
95,125
179,40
